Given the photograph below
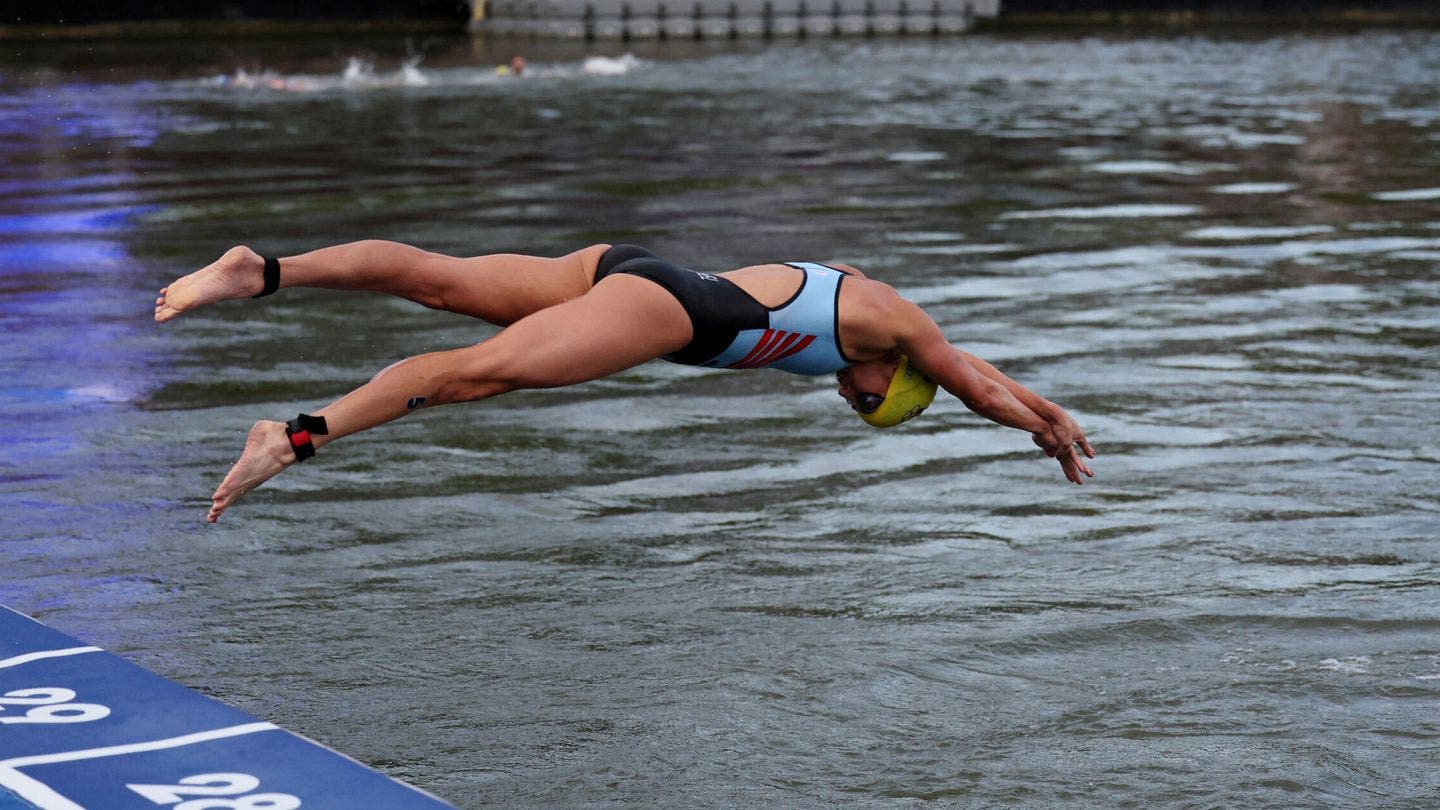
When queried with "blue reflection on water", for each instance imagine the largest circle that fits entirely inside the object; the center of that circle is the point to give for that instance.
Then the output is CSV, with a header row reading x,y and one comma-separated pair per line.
x,y
104,221
68,306
24,257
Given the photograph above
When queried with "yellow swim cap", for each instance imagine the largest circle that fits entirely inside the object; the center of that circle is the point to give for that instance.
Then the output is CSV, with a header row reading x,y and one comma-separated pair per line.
x,y
910,393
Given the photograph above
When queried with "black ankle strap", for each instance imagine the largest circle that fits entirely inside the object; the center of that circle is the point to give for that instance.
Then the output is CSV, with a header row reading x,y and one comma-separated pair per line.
x,y
299,431
272,277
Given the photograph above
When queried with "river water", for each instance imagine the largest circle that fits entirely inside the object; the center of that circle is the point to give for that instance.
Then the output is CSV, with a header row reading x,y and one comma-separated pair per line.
x,y
687,588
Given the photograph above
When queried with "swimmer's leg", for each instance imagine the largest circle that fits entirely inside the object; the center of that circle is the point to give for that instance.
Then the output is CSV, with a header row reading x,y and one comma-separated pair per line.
x,y
500,288
623,322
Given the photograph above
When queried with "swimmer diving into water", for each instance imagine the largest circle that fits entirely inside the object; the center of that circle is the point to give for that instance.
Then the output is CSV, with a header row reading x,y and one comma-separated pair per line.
x,y
604,309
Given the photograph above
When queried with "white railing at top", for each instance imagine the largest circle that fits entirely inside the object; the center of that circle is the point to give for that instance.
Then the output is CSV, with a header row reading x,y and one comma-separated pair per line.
x,y
721,19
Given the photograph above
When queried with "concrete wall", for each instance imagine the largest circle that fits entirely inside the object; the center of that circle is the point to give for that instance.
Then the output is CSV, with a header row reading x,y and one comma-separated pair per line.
x,y
725,19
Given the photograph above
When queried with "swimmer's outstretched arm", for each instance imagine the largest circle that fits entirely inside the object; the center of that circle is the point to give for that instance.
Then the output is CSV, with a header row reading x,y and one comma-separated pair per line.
x,y
1063,426
988,392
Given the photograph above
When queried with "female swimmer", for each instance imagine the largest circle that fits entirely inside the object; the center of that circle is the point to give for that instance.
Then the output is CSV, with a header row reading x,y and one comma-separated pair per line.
x,y
603,309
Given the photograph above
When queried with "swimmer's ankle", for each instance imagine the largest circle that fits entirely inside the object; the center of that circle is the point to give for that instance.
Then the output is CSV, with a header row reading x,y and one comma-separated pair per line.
x,y
301,432
270,276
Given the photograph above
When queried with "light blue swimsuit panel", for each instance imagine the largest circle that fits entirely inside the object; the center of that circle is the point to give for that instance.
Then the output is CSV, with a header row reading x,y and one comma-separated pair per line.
x,y
802,335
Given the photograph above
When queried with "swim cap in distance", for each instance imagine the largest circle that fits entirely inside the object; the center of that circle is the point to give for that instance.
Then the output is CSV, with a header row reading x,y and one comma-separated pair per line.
x,y
910,392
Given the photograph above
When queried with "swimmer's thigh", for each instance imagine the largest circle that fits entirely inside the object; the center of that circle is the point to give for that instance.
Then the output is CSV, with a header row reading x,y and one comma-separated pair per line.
x,y
623,322
502,288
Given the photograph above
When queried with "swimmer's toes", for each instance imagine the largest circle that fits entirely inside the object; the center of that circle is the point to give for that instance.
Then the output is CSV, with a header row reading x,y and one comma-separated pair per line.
x,y
170,305
223,499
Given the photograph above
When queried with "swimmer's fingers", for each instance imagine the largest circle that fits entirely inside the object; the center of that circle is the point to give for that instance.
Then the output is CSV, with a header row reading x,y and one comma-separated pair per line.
x,y
1074,467
1070,435
1079,440
1072,473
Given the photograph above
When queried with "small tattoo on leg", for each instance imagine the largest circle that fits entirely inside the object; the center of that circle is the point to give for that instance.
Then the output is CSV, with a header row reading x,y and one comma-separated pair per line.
x,y
414,402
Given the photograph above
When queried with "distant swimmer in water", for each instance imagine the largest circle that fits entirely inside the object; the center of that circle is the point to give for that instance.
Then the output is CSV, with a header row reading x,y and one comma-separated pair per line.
x,y
604,309
515,68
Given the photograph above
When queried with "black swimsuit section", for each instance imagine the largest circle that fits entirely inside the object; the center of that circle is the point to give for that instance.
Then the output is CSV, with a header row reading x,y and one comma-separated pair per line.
x,y
719,310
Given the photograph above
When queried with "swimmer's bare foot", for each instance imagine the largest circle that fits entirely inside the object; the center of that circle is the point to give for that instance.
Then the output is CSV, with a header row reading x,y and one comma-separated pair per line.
x,y
240,273
267,452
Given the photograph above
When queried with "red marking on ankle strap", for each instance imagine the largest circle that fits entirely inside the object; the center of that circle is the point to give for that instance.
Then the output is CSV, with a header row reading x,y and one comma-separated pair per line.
x,y
300,438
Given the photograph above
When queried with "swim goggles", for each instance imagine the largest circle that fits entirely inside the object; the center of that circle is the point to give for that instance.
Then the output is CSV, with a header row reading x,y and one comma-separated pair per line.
x,y
867,403
910,392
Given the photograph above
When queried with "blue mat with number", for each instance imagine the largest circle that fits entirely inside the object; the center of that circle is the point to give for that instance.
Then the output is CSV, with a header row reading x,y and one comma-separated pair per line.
x,y
82,729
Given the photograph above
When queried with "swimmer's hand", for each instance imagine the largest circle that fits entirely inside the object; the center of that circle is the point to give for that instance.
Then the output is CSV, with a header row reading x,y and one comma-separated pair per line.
x,y
1065,442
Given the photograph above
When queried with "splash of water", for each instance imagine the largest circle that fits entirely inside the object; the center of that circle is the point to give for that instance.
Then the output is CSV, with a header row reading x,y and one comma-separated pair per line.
x,y
360,74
